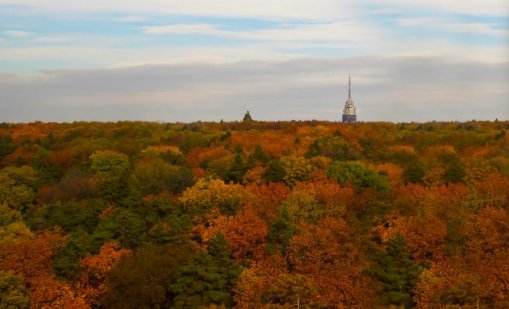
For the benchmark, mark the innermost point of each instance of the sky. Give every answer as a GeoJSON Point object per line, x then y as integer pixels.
{"type": "Point", "coordinates": [189, 60]}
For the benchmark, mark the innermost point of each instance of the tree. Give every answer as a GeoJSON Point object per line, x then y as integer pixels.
{"type": "Point", "coordinates": [14, 188]}
{"type": "Point", "coordinates": [291, 290]}
{"type": "Point", "coordinates": [143, 279]}
{"type": "Point", "coordinates": [8, 215]}
{"type": "Point", "coordinates": [123, 225]}
{"type": "Point", "coordinates": [208, 279]}
{"type": "Point", "coordinates": [247, 117]}
{"type": "Point", "coordinates": [32, 258]}
{"type": "Point", "coordinates": [454, 172]}
{"type": "Point", "coordinates": [425, 234]}
{"type": "Point", "coordinates": [275, 172]}
{"type": "Point", "coordinates": [109, 163]}
{"type": "Point", "coordinates": [13, 293]}
{"type": "Point", "coordinates": [397, 271]}
{"type": "Point", "coordinates": [213, 193]}
{"type": "Point", "coordinates": [357, 174]}
{"type": "Point", "coordinates": [16, 230]}
{"type": "Point", "coordinates": [246, 234]}
{"type": "Point", "coordinates": [111, 169]}
{"type": "Point", "coordinates": [326, 253]}
{"type": "Point", "coordinates": [66, 262]}
{"type": "Point", "coordinates": [238, 168]}
{"type": "Point", "coordinates": [92, 283]}
{"type": "Point", "coordinates": [73, 215]}
{"type": "Point", "coordinates": [6, 146]}
{"type": "Point", "coordinates": [258, 156]}
{"type": "Point", "coordinates": [414, 172]}
{"type": "Point", "coordinates": [302, 206]}
{"type": "Point", "coordinates": [154, 176]}
{"type": "Point", "coordinates": [295, 169]}
{"type": "Point", "coordinates": [265, 199]}
{"type": "Point", "coordinates": [280, 233]}
{"type": "Point", "coordinates": [334, 147]}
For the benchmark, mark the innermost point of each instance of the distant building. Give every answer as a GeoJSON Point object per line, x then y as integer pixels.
{"type": "Point", "coordinates": [349, 115]}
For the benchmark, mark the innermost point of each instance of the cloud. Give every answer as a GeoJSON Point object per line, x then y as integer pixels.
{"type": "Point", "coordinates": [445, 25]}
{"type": "Point", "coordinates": [51, 39]}
{"type": "Point", "coordinates": [277, 9]}
{"type": "Point", "coordinates": [17, 34]}
{"type": "Point", "coordinates": [180, 31]}
{"type": "Point", "coordinates": [390, 89]}
{"type": "Point", "coordinates": [132, 18]}
{"type": "Point", "coordinates": [185, 28]}
{"type": "Point", "coordinates": [330, 31]}
{"type": "Point", "coordinates": [479, 28]}
{"type": "Point", "coordinates": [474, 8]}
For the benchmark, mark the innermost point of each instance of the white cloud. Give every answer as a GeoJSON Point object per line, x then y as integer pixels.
{"type": "Point", "coordinates": [479, 28]}
{"type": "Point", "coordinates": [186, 28]}
{"type": "Point", "coordinates": [132, 18]}
{"type": "Point", "coordinates": [468, 7]}
{"type": "Point", "coordinates": [17, 33]}
{"type": "Point", "coordinates": [275, 9]}
{"type": "Point", "coordinates": [302, 9]}
{"type": "Point", "coordinates": [333, 31]}
{"type": "Point", "coordinates": [419, 21]}
{"type": "Point", "coordinates": [51, 39]}
{"type": "Point", "coordinates": [445, 25]}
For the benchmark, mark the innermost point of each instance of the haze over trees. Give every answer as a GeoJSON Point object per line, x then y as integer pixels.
{"type": "Point", "coordinates": [252, 214]}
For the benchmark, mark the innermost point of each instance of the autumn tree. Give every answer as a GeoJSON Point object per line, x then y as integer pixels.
{"type": "Point", "coordinates": [334, 147]}
{"type": "Point", "coordinates": [302, 206]}
{"type": "Point", "coordinates": [15, 189]}
{"type": "Point", "coordinates": [210, 193]}
{"type": "Point", "coordinates": [414, 172]}
{"type": "Point", "coordinates": [92, 283]}
{"type": "Point", "coordinates": [13, 293]}
{"type": "Point", "coordinates": [32, 258]}
{"type": "Point", "coordinates": [111, 168]}
{"type": "Point", "coordinates": [154, 176]}
{"type": "Point", "coordinates": [357, 174]}
{"type": "Point", "coordinates": [143, 279]}
{"type": "Point", "coordinates": [291, 290]}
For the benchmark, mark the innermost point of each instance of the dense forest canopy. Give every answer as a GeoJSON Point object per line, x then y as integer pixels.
{"type": "Point", "coordinates": [254, 214]}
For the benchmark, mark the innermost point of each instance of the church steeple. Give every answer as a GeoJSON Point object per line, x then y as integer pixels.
{"type": "Point", "coordinates": [349, 115]}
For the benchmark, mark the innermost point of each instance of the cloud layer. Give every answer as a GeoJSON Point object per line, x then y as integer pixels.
{"type": "Point", "coordinates": [387, 89]}
{"type": "Point", "coordinates": [185, 60]}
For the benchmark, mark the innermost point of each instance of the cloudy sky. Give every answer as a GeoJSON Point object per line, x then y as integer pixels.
{"type": "Point", "coordinates": [187, 60]}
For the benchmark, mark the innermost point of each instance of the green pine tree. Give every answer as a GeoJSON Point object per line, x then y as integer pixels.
{"type": "Point", "coordinates": [397, 271]}
{"type": "Point", "coordinates": [280, 233]}
{"type": "Point", "coordinates": [238, 167]}
{"type": "Point", "coordinates": [208, 279]}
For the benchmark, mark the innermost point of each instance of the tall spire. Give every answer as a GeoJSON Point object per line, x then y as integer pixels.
{"type": "Point", "coordinates": [349, 87]}
{"type": "Point", "coordinates": [349, 115]}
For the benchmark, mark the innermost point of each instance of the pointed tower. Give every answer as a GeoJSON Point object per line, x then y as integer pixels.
{"type": "Point", "coordinates": [349, 115]}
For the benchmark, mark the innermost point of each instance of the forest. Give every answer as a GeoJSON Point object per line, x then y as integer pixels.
{"type": "Point", "coordinates": [299, 214]}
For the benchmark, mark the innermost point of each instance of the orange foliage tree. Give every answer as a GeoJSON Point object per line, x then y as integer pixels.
{"type": "Point", "coordinates": [32, 258]}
